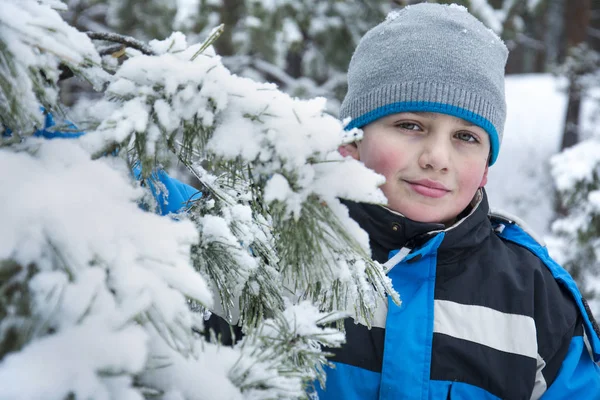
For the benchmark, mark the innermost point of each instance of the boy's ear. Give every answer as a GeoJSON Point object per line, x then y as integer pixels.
{"type": "Point", "coordinates": [484, 178]}
{"type": "Point", "coordinates": [350, 149]}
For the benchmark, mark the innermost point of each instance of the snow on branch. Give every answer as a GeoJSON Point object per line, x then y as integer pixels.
{"type": "Point", "coordinates": [284, 148]}
{"type": "Point", "coordinates": [92, 273]}
{"type": "Point", "coordinates": [125, 40]}
{"type": "Point", "coordinates": [86, 273]}
{"type": "Point", "coordinates": [34, 41]}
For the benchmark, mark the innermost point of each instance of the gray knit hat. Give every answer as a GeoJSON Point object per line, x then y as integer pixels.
{"type": "Point", "coordinates": [429, 57]}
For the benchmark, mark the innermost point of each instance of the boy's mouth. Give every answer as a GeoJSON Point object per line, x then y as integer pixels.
{"type": "Point", "coordinates": [428, 188]}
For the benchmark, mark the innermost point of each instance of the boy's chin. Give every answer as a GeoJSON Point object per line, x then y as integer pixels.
{"type": "Point", "coordinates": [426, 214]}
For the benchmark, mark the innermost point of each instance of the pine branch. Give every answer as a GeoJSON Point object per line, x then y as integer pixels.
{"type": "Point", "coordinates": [126, 40]}
{"type": "Point", "coordinates": [115, 48]}
{"type": "Point", "coordinates": [209, 41]}
{"type": "Point", "coordinates": [17, 324]}
{"type": "Point", "coordinates": [287, 348]}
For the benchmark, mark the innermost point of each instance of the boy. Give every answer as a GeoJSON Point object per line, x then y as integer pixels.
{"type": "Point", "coordinates": [485, 312]}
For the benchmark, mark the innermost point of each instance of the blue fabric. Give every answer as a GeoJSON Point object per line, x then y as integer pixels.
{"type": "Point", "coordinates": [48, 133]}
{"type": "Point", "coordinates": [464, 391]}
{"type": "Point", "coordinates": [439, 389]}
{"type": "Point", "coordinates": [409, 334]}
{"type": "Point", "coordinates": [178, 195]}
{"type": "Point", "coordinates": [458, 391]}
{"type": "Point", "coordinates": [409, 331]}
{"type": "Point", "coordinates": [515, 234]}
{"type": "Point", "coordinates": [409, 327]}
{"type": "Point", "coordinates": [578, 377]}
{"type": "Point", "coordinates": [427, 106]}
{"type": "Point", "coordinates": [349, 383]}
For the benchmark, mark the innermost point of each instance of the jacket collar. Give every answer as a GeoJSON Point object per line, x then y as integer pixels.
{"type": "Point", "coordinates": [389, 230]}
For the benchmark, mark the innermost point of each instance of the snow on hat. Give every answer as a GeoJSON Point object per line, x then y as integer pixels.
{"type": "Point", "coordinates": [429, 57]}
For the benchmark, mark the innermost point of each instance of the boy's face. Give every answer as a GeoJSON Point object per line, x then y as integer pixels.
{"type": "Point", "coordinates": [433, 163]}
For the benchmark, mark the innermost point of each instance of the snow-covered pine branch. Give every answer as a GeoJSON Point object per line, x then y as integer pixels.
{"type": "Point", "coordinates": [99, 289]}
{"type": "Point", "coordinates": [275, 154]}
{"type": "Point", "coordinates": [84, 272]}
{"type": "Point", "coordinates": [576, 241]}
{"type": "Point", "coordinates": [34, 41]}
{"type": "Point", "coordinates": [576, 172]}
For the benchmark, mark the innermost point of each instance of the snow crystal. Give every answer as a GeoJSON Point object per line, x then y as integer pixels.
{"type": "Point", "coordinates": [236, 137]}
{"type": "Point", "coordinates": [37, 37]}
{"type": "Point", "coordinates": [89, 348]}
{"type": "Point", "coordinates": [252, 22]}
{"type": "Point", "coordinates": [458, 7]}
{"type": "Point", "coordinates": [133, 240]}
{"type": "Point", "coordinates": [594, 200]}
{"type": "Point", "coordinates": [165, 117]}
{"type": "Point", "coordinates": [269, 5]}
{"type": "Point", "coordinates": [174, 43]}
{"type": "Point", "coordinates": [27, 21]}
{"type": "Point", "coordinates": [278, 189]}
{"type": "Point", "coordinates": [305, 318]}
{"type": "Point", "coordinates": [532, 4]}
{"type": "Point", "coordinates": [201, 375]}
{"type": "Point", "coordinates": [291, 31]}
{"type": "Point", "coordinates": [216, 228]}
{"type": "Point", "coordinates": [575, 164]}
{"type": "Point", "coordinates": [488, 15]}
{"type": "Point", "coordinates": [240, 212]}
{"type": "Point", "coordinates": [187, 11]}
{"type": "Point", "coordinates": [392, 15]}
{"type": "Point", "coordinates": [55, 4]}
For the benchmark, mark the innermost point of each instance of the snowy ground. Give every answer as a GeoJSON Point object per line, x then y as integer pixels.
{"type": "Point", "coordinates": [520, 181]}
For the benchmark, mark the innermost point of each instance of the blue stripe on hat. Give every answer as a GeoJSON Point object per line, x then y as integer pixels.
{"type": "Point", "coordinates": [429, 106]}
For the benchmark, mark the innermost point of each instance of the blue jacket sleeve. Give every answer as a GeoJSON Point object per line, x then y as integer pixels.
{"type": "Point", "coordinates": [578, 376]}
{"type": "Point", "coordinates": [172, 196]}
{"type": "Point", "coordinates": [566, 365]}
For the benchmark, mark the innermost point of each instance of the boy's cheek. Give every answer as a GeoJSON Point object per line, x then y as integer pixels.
{"type": "Point", "coordinates": [384, 164]}
{"type": "Point", "coordinates": [484, 179]}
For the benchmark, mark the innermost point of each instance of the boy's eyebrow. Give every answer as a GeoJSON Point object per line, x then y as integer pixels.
{"type": "Point", "coordinates": [465, 122]}
{"type": "Point", "coordinates": [434, 115]}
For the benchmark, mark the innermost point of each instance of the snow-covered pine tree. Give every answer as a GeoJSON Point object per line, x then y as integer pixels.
{"type": "Point", "coordinates": [149, 19]}
{"type": "Point", "coordinates": [504, 17]}
{"type": "Point", "coordinates": [98, 297]}
{"type": "Point", "coordinates": [309, 42]}
{"type": "Point", "coordinates": [576, 172]}
{"type": "Point", "coordinates": [576, 240]}
{"type": "Point", "coordinates": [302, 45]}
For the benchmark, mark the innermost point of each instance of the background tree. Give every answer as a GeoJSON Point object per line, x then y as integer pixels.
{"type": "Point", "coordinates": [576, 169]}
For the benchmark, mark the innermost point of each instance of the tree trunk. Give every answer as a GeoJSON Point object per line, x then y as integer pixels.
{"type": "Point", "coordinates": [231, 13]}
{"type": "Point", "coordinates": [554, 38]}
{"type": "Point", "coordinates": [577, 21]}
{"type": "Point", "coordinates": [571, 128]}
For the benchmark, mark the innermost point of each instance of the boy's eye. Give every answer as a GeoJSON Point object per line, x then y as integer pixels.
{"type": "Point", "coordinates": [410, 126]}
{"type": "Point", "coordinates": [466, 137]}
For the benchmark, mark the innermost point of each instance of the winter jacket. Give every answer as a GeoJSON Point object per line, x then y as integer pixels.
{"type": "Point", "coordinates": [485, 314]}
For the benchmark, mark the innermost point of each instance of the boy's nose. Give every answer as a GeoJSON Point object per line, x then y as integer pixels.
{"type": "Point", "coordinates": [435, 153]}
